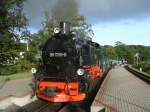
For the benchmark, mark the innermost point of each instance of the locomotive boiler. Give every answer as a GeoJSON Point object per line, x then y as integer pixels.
{"type": "Point", "coordinates": [68, 67]}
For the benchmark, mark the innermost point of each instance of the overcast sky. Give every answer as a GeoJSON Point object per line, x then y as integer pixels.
{"type": "Point", "coordinates": [112, 20]}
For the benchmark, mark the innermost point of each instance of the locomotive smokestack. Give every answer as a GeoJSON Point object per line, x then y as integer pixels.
{"type": "Point", "coordinates": [65, 28]}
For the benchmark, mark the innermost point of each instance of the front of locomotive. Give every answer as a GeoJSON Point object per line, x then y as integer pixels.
{"type": "Point", "coordinates": [58, 79]}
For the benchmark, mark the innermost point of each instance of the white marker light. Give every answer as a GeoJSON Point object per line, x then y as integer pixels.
{"type": "Point", "coordinates": [33, 70]}
{"type": "Point", "coordinates": [56, 30]}
{"type": "Point", "coordinates": [80, 72]}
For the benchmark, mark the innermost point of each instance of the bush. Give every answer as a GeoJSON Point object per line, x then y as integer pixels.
{"type": "Point", "coordinates": [145, 65]}
{"type": "Point", "coordinates": [8, 69]}
{"type": "Point", "coordinates": [24, 65]}
{"type": "Point", "coordinates": [30, 57]}
{"type": "Point", "coordinates": [21, 65]}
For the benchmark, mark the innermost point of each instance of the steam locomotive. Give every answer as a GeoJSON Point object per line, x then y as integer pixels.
{"type": "Point", "coordinates": [68, 67]}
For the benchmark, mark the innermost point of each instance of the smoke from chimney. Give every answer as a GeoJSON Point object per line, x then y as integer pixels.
{"type": "Point", "coordinates": [64, 10]}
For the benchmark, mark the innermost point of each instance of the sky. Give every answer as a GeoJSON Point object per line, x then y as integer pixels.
{"type": "Point", "coordinates": [133, 32]}
{"type": "Point", "coordinates": [127, 21]}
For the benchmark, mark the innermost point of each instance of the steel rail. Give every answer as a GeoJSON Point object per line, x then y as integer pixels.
{"type": "Point", "coordinates": [139, 74]}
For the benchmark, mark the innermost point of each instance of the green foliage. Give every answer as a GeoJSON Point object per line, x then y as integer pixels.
{"type": "Point", "coordinates": [145, 65]}
{"type": "Point", "coordinates": [30, 57]}
{"type": "Point", "coordinates": [13, 29]}
{"type": "Point", "coordinates": [12, 20]}
{"type": "Point", "coordinates": [144, 51]}
{"type": "Point", "coordinates": [127, 52]}
{"type": "Point", "coordinates": [19, 66]}
{"type": "Point", "coordinates": [144, 57]}
{"type": "Point", "coordinates": [124, 52]}
{"type": "Point", "coordinates": [80, 25]}
{"type": "Point", "coordinates": [7, 70]}
{"type": "Point", "coordinates": [24, 64]}
{"type": "Point", "coordinates": [110, 52]}
{"type": "Point", "coordinates": [38, 41]}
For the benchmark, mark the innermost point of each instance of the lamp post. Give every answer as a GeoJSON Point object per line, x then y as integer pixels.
{"type": "Point", "coordinates": [136, 58]}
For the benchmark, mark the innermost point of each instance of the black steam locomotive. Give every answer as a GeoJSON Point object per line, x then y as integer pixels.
{"type": "Point", "coordinates": [69, 66]}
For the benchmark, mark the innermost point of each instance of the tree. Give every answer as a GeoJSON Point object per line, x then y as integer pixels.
{"type": "Point", "coordinates": [118, 43]}
{"type": "Point", "coordinates": [38, 40]}
{"type": "Point", "coordinates": [144, 51]}
{"type": "Point", "coordinates": [80, 25]}
{"type": "Point", "coordinates": [12, 24]}
{"type": "Point", "coordinates": [110, 52]}
{"type": "Point", "coordinates": [124, 52]}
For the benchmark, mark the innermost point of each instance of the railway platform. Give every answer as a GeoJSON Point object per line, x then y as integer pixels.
{"type": "Point", "coordinates": [121, 91]}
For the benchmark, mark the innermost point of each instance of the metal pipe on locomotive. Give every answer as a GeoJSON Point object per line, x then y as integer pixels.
{"type": "Point", "coordinates": [69, 67]}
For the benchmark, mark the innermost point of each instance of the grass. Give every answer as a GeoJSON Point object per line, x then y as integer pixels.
{"type": "Point", "coordinates": [19, 75]}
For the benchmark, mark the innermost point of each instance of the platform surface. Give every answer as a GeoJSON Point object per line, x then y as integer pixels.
{"type": "Point", "coordinates": [18, 88]}
{"type": "Point", "coordinates": [121, 91]}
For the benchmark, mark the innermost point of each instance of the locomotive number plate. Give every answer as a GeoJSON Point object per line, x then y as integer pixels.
{"type": "Point", "coordinates": [58, 54]}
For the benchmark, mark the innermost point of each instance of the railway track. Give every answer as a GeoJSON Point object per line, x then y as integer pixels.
{"type": "Point", "coordinates": [55, 107]}
{"type": "Point", "coordinates": [139, 74]}
{"type": "Point", "coordinates": [42, 106]}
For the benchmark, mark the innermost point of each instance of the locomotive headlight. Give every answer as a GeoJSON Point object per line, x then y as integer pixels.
{"type": "Point", "coordinates": [56, 30]}
{"type": "Point", "coordinates": [80, 72]}
{"type": "Point", "coordinates": [33, 70]}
